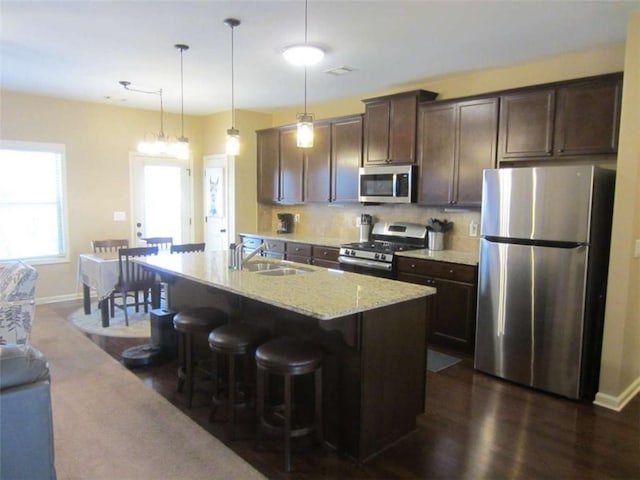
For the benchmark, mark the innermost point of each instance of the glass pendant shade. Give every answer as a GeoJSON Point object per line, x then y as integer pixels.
{"type": "Point", "coordinates": [180, 149]}
{"type": "Point", "coordinates": [232, 146]}
{"type": "Point", "coordinates": [304, 134]}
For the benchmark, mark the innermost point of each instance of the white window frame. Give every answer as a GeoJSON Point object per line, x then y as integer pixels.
{"type": "Point", "coordinates": [60, 149]}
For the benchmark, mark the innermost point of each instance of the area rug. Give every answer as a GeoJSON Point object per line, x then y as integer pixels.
{"type": "Point", "coordinates": [437, 361]}
{"type": "Point", "coordinates": [108, 425]}
{"type": "Point", "coordinates": [139, 325]}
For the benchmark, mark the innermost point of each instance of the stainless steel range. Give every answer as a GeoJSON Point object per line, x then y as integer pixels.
{"type": "Point", "coordinates": [377, 256]}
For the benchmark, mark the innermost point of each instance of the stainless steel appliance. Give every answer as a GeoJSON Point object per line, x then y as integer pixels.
{"type": "Point", "coordinates": [387, 184]}
{"type": "Point", "coordinates": [285, 222]}
{"type": "Point", "coordinates": [542, 276]}
{"type": "Point", "coordinates": [366, 223]}
{"type": "Point", "coordinates": [376, 256]}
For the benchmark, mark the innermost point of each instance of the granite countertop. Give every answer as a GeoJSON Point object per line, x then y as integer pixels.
{"type": "Point", "coordinates": [319, 293]}
{"type": "Point", "coordinates": [451, 256]}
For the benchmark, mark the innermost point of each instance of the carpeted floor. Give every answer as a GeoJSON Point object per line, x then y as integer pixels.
{"type": "Point", "coordinates": [437, 361]}
{"type": "Point", "coordinates": [108, 425]}
{"type": "Point", "coordinates": [139, 325]}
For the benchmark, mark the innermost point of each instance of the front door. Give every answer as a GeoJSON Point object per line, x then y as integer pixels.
{"type": "Point", "coordinates": [161, 198]}
{"type": "Point", "coordinates": [219, 204]}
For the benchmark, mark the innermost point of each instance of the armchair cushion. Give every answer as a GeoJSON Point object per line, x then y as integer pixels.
{"type": "Point", "coordinates": [17, 300]}
{"type": "Point", "coordinates": [26, 422]}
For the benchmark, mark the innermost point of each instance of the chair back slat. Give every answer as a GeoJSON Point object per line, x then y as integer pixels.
{"type": "Point", "coordinates": [133, 273]}
{"type": "Point", "coordinates": [163, 243]}
{"type": "Point", "coordinates": [112, 245]}
{"type": "Point", "coordinates": [187, 247]}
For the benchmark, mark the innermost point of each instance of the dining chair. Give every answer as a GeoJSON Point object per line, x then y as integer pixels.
{"type": "Point", "coordinates": [187, 247]}
{"type": "Point", "coordinates": [133, 280]}
{"type": "Point", "coordinates": [101, 246]}
{"type": "Point", "coordinates": [163, 243]}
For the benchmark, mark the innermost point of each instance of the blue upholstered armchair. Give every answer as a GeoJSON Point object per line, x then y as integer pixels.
{"type": "Point", "coordinates": [17, 300]}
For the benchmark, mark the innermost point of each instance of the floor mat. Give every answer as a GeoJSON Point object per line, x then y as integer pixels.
{"type": "Point", "coordinates": [437, 361]}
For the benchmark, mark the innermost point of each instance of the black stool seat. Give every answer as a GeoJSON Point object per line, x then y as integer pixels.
{"type": "Point", "coordinates": [199, 319]}
{"type": "Point", "coordinates": [288, 357]}
{"type": "Point", "coordinates": [189, 323]}
{"type": "Point", "coordinates": [235, 338]}
{"type": "Point", "coordinates": [230, 340]}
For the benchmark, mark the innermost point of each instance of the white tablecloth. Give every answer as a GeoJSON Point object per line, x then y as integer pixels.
{"type": "Point", "coordinates": [99, 271]}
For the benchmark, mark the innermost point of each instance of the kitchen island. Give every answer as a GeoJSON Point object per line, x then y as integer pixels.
{"type": "Point", "coordinates": [372, 330]}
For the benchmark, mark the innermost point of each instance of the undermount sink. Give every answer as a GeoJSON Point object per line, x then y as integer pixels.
{"type": "Point", "coordinates": [282, 271]}
{"type": "Point", "coordinates": [261, 266]}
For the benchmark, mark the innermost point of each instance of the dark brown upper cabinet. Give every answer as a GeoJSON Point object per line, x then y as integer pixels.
{"type": "Point", "coordinates": [575, 118]}
{"type": "Point", "coordinates": [346, 158]}
{"type": "Point", "coordinates": [291, 167]}
{"type": "Point", "coordinates": [318, 164]}
{"type": "Point", "coordinates": [268, 165]}
{"type": "Point", "coordinates": [456, 142]}
{"type": "Point", "coordinates": [390, 127]}
{"type": "Point", "coordinates": [334, 160]}
{"type": "Point", "coordinates": [326, 172]}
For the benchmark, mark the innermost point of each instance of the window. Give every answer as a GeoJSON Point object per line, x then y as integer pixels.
{"type": "Point", "coordinates": [32, 201]}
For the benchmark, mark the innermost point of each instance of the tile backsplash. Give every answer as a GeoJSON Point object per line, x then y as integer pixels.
{"type": "Point", "coordinates": [341, 221]}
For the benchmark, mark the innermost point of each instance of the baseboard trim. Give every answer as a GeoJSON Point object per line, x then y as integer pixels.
{"type": "Point", "coordinates": [619, 402]}
{"type": "Point", "coordinates": [59, 298]}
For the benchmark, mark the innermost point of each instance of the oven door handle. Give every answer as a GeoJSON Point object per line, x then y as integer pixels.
{"type": "Point", "coordinates": [366, 263]}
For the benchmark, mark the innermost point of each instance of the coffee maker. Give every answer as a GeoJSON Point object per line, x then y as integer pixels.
{"type": "Point", "coordinates": [285, 222]}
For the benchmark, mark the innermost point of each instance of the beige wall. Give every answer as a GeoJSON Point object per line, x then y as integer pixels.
{"type": "Point", "coordinates": [620, 370]}
{"type": "Point", "coordinates": [98, 140]}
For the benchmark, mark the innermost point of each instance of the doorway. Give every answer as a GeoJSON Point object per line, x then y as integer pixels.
{"type": "Point", "coordinates": [161, 198]}
{"type": "Point", "coordinates": [219, 201]}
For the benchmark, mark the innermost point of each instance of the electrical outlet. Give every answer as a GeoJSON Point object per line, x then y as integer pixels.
{"type": "Point", "coordinates": [473, 229]}
{"type": "Point", "coordinates": [119, 216]}
{"type": "Point", "coordinates": [296, 218]}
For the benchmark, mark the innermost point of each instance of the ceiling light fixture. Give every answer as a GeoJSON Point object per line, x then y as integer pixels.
{"type": "Point", "coordinates": [159, 144]}
{"type": "Point", "coordinates": [181, 147]}
{"type": "Point", "coordinates": [304, 133]}
{"type": "Point", "coordinates": [232, 146]}
{"type": "Point", "coordinates": [303, 54]}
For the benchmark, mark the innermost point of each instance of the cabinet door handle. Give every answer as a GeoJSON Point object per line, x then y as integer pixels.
{"type": "Point", "coordinates": [451, 271]}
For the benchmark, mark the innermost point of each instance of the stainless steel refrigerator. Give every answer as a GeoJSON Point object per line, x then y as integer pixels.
{"type": "Point", "coordinates": [544, 251]}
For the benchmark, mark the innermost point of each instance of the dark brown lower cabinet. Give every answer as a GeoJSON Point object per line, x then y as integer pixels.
{"type": "Point", "coordinates": [298, 252]}
{"type": "Point", "coordinates": [454, 306]}
{"type": "Point", "coordinates": [326, 257]}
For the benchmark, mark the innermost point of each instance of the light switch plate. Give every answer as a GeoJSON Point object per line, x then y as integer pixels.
{"type": "Point", "coordinates": [119, 216]}
{"type": "Point", "coordinates": [637, 252]}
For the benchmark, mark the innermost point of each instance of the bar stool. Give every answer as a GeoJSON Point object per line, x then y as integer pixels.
{"type": "Point", "coordinates": [230, 341]}
{"type": "Point", "coordinates": [189, 323]}
{"type": "Point", "coordinates": [288, 357]}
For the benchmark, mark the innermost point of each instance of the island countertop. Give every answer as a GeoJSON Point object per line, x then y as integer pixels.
{"type": "Point", "coordinates": [320, 293]}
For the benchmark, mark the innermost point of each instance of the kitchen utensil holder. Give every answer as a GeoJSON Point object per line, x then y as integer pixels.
{"type": "Point", "coordinates": [436, 240]}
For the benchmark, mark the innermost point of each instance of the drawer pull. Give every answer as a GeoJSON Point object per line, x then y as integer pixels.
{"type": "Point", "coordinates": [450, 271]}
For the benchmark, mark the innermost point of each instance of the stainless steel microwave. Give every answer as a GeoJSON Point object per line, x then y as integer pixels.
{"type": "Point", "coordinates": [387, 184]}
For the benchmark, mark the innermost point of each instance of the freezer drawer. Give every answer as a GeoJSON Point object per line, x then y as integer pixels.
{"type": "Point", "coordinates": [530, 314]}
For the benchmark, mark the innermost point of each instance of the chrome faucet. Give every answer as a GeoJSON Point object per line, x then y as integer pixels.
{"type": "Point", "coordinates": [237, 260]}
{"type": "Point", "coordinates": [253, 253]}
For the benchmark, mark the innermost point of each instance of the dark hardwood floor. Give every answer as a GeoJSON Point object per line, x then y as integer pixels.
{"type": "Point", "coordinates": [474, 427]}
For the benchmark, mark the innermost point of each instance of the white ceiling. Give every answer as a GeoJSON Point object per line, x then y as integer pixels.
{"type": "Point", "coordinates": [80, 49]}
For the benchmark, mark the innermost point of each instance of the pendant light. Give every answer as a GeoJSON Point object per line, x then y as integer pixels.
{"type": "Point", "coordinates": [159, 143]}
{"type": "Point", "coordinates": [232, 146]}
{"type": "Point", "coordinates": [304, 133]}
{"type": "Point", "coordinates": [181, 147]}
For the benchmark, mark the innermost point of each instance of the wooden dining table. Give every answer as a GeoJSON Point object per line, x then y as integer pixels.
{"type": "Point", "coordinates": [98, 271]}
